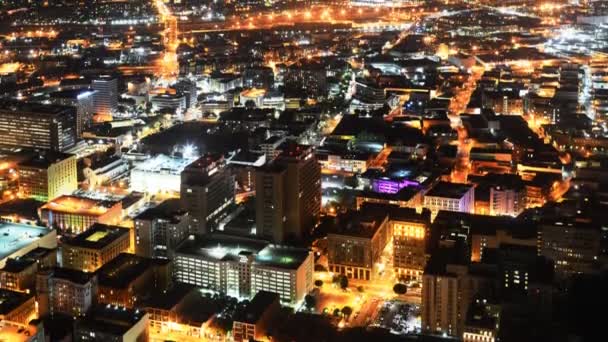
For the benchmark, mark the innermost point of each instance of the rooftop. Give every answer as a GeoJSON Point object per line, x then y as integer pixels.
{"type": "Point", "coordinates": [10, 300]}
{"type": "Point", "coordinates": [122, 270]}
{"type": "Point", "coordinates": [449, 190]}
{"type": "Point", "coordinates": [45, 159]}
{"type": "Point", "coordinates": [79, 205]}
{"type": "Point", "coordinates": [71, 275]}
{"type": "Point", "coordinates": [98, 236]}
{"type": "Point", "coordinates": [256, 308]}
{"type": "Point", "coordinates": [163, 164]}
{"type": "Point", "coordinates": [220, 247]}
{"type": "Point", "coordinates": [110, 319]}
{"type": "Point", "coordinates": [14, 236]}
{"type": "Point", "coordinates": [21, 107]}
{"type": "Point", "coordinates": [281, 257]}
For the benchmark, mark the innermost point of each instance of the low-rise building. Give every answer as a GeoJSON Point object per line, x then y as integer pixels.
{"type": "Point", "coordinates": [113, 324]}
{"type": "Point", "coordinates": [17, 307]}
{"type": "Point", "coordinates": [93, 248]}
{"type": "Point", "coordinates": [66, 291]}
{"type": "Point", "coordinates": [451, 197]}
{"type": "Point", "coordinates": [128, 278]}
{"type": "Point", "coordinates": [258, 316]}
{"type": "Point", "coordinates": [74, 214]}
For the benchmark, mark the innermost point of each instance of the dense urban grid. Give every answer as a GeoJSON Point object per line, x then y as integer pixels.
{"type": "Point", "coordinates": [303, 170]}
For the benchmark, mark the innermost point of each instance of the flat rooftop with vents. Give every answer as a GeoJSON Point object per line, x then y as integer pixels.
{"type": "Point", "coordinates": [18, 239]}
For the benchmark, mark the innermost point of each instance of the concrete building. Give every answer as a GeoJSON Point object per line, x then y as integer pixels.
{"type": "Point", "coordinates": [19, 274]}
{"type": "Point", "coordinates": [508, 198]}
{"type": "Point", "coordinates": [106, 94]}
{"type": "Point", "coordinates": [32, 125]}
{"type": "Point", "coordinates": [451, 197]}
{"type": "Point", "coordinates": [16, 307]}
{"type": "Point", "coordinates": [96, 246]}
{"type": "Point", "coordinates": [356, 241]}
{"type": "Point", "coordinates": [159, 174]}
{"type": "Point", "coordinates": [241, 267]}
{"type": "Point", "coordinates": [75, 214]}
{"type": "Point", "coordinates": [287, 271]}
{"type": "Point", "coordinates": [17, 240]}
{"type": "Point", "coordinates": [410, 238]}
{"type": "Point", "coordinates": [217, 262]}
{"type": "Point", "coordinates": [66, 291]}
{"type": "Point", "coordinates": [207, 189]}
{"type": "Point", "coordinates": [257, 318]}
{"type": "Point", "coordinates": [84, 102]}
{"type": "Point", "coordinates": [160, 229]}
{"type": "Point", "coordinates": [288, 195]}
{"type": "Point", "coordinates": [127, 279]}
{"type": "Point", "coordinates": [574, 245]}
{"type": "Point", "coordinates": [112, 324]}
{"type": "Point", "coordinates": [48, 175]}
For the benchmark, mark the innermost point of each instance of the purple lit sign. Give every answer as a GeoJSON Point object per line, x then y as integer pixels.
{"type": "Point", "coordinates": [389, 186]}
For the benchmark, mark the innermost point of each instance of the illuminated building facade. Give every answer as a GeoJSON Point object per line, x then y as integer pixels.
{"type": "Point", "coordinates": [48, 175]}
{"type": "Point", "coordinates": [106, 95]}
{"type": "Point", "coordinates": [160, 229]}
{"type": "Point", "coordinates": [241, 267]}
{"type": "Point", "coordinates": [159, 174]}
{"type": "Point", "coordinates": [93, 248]}
{"type": "Point", "coordinates": [16, 307]}
{"type": "Point", "coordinates": [356, 241]}
{"type": "Point", "coordinates": [32, 125]}
{"type": "Point", "coordinates": [82, 100]}
{"type": "Point", "coordinates": [207, 189]}
{"type": "Point", "coordinates": [410, 231]}
{"type": "Point", "coordinates": [450, 197]}
{"type": "Point", "coordinates": [62, 290]}
{"type": "Point", "coordinates": [74, 215]}
{"type": "Point", "coordinates": [18, 275]}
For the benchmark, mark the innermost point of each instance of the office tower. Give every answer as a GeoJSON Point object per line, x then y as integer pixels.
{"type": "Point", "coordinates": [207, 189]}
{"type": "Point", "coordinates": [160, 229]}
{"type": "Point", "coordinates": [410, 238]}
{"type": "Point", "coordinates": [48, 175]}
{"type": "Point", "coordinates": [288, 194]}
{"type": "Point", "coordinates": [90, 250]}
{"type": "Point", "coordinates": [81, 99]}
{"type": "Point", "coordinates": [32, 125]}
{"type": "Point", "coordinates": [106, 94]}
{"type": "Point", "coordinates": [75, 214]}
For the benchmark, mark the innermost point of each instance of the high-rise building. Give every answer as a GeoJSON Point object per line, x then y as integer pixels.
{"type": "Point", "coordinates": [288, 194]}
{"type": "Point", "coordinates": [574, 245]}
{"type": "Point", "coordinates": [508, 197]}
{"type": "Point", "coordinates": [33, 125]}
{"type": "Point", "coordinates": [48, 175]}
{"type": "Point", "coordinates": [91, 249]}
{"type": "Point", "coordinates": [106, 94]}
{"type": "Point", "coordinates": [410, 237]}
{"type": "Point", "coordinates": [160, 229]}
{"type": "Point", "coordinates": [82, 100]}
{"type": "Point", "coordinates": [207, 189]}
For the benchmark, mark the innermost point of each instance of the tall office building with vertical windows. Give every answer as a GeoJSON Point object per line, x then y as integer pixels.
{"type": "Point", "coordinates": [106, 94]}
{"type": "Point", "coordinates": [288, 194]}
{"type": "Point", "coordinates": [207, 190]}
{"type": "Point", "coordinates": [33, 125]}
